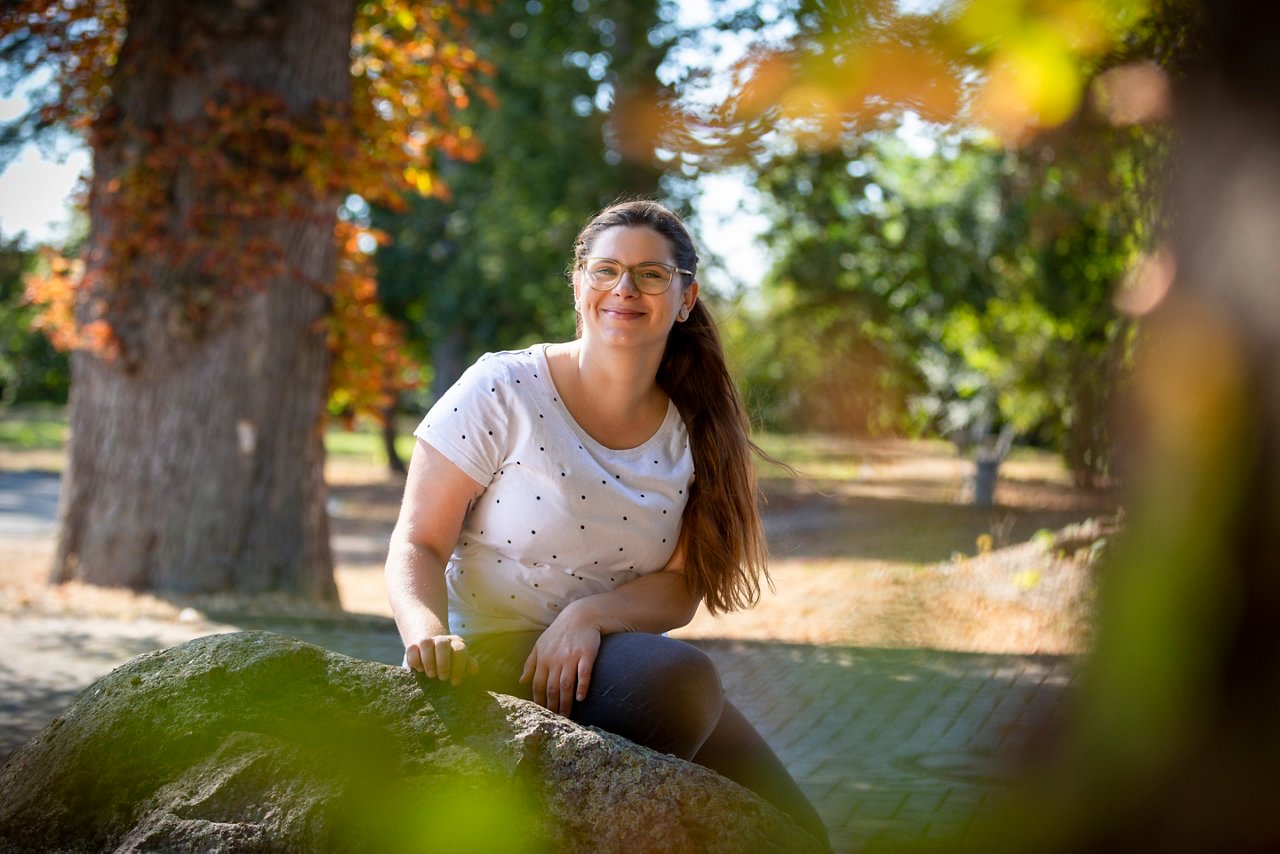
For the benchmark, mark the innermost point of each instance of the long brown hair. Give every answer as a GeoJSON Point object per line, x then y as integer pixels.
{"type": "Point", "coordinates": [725, 550]}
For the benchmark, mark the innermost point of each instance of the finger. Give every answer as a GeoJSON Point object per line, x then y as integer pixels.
{"type": "Point", "coordinates": [553, 692]}
{"type": "Point", "coordinates": [530, 667]}
{"type": "Point", "coordinates": [444, 652]}
{"type": "Point", "coordinates": [428, 658]}
{"type": "Point", "coordinates": [413, 657]}
{"type": "Point", "coordinates": [458, 666]}
{"type": "Point", "coordinates": [568, 680]}
{"type": "Point", "coordinates": [540, 687]}
{"type": "Point", "coordinates": [585, 665]}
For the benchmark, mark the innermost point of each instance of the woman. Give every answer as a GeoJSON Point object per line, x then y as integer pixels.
{"type": "Point", "coordinates": [553, 527]}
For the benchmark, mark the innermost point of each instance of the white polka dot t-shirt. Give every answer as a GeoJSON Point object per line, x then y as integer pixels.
{"type": "Point", "coordinates": [562, 516]}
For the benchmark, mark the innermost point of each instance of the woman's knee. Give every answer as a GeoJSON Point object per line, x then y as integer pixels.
{"type": "Point", "coordinates": [662, 664]}
{"type": "Point", "coordinates": [655, 690]}
{"type": "Point", "coordinates": [694, 675]}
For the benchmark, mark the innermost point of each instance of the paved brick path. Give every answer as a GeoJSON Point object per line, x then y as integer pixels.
{"type": "Point", "coordinates": [893, 745]}
{"type": "Point", "coordinates": [890, 745]}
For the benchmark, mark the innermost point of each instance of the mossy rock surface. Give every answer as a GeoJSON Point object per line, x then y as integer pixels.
{"type": "Point", "coordinates": [258, 742]}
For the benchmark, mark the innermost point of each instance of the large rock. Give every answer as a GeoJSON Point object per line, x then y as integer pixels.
{"type": "Point", "coordinates": [254, 741]}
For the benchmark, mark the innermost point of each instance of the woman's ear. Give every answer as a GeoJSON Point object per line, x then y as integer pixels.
{"type": "Point", "coordinates": [689, 297]}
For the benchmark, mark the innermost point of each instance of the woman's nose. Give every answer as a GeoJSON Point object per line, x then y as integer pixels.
{"type": "Point", "coordinates": [626, 284]}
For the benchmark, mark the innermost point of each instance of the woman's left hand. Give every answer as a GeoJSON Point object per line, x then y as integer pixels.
{"type": "Point", "coordinates": [559, 667]}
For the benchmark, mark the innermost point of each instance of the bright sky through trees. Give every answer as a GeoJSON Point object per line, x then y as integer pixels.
{"type": "Point", "coordinates": [36, 187]}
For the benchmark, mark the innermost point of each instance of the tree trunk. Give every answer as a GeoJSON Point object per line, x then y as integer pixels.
{"type": "Point", "coordinates": [630, 129]}
{"type": "Point", "coordinates": [448, 361]}
{"type": "Point", "coordinates": [196, 455]}
{"type": "Point", "coordinates": [394, 462]}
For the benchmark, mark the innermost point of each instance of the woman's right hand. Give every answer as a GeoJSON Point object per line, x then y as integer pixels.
{"type": "Point", "coordinates": [442, 657]}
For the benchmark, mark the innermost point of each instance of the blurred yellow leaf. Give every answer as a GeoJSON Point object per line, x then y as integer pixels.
{"type": "Point", "coordinates": [1033, 83]}
{"type": "Point", "coordinates": [1027, 579]}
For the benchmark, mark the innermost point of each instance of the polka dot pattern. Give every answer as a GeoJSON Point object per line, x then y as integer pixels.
{"type": "Point", "coordinates": [561, 516]}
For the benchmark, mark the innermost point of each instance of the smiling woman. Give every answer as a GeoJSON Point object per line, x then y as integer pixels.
{"type": "Point", "coordinates": [623, 293]}
{"type": "Point", "coordinates": [568, 504]}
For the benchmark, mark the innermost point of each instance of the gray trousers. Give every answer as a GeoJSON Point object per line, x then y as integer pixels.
{"type": "Point", "coordinates": [666, 695]}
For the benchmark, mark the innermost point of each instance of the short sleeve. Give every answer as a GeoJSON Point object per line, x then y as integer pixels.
{"type": "Point", "coordinates": [469, 423]}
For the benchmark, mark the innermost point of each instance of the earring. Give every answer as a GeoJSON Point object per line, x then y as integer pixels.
{"type": "Point", "coordinates": [683, 315]}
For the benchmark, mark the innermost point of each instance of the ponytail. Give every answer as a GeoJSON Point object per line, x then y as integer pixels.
{"type": "Point", "coordinates": [725, 550]}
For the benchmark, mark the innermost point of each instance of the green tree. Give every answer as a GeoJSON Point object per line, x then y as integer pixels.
{"type": "Point", "coordinates": [872, 246]}
{"type": "Point", "coordinates": [31, 368]}
{"type": "Point", "coordinates": [974, 285]}
{"type": "Point", "coordinates": [970, 286]}
{"type": "Point", "coordinates": [484, 267]}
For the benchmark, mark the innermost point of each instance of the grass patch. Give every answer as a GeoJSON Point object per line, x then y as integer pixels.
{"type": "Point", "coordinates": [33, 427]}
{"type": "Point", "coordinates": [826, 458]}
{"type": "Point", "coordinates": [814, 456]}
{"type": "Point", "coordinates": [43, 427]}
{"type": "Point", "coordinates": [365, 443]}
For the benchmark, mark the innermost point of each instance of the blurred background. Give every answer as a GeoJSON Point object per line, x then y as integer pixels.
{"type": "Point", "coordinates": [930, 232]}
{"type": "Point", "coordinates": [900, 240]}
{"type": "Point", "coordinates": [996, 277]}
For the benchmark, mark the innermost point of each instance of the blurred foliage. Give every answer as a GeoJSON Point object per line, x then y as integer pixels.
{"type": "Point", "coordinates": [33, 427]}
{"type": "Point", "coordinates": [948, 293]}
{"type": "Point", "coordinates": [31, 369]}
{"type": "Point", "coordinates": [371, 364]}
{"type": "Point", "coordinates": [1015, 68]}
{"type": "Point", "coordinates": [1172, 745]}
{"type": "Point", "coordinates": [483, 267]}
{"type": "Point", "coordinates": [247, 158]}
{"type": "Point", "coordinates": [934, 280]}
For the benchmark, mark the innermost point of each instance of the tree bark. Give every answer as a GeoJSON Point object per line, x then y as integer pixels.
{"type": "Point", "coordinates": [448, 361]}
{"type": "Point", "coordinates": [196, 455]}
{"type": "Point", "coordinates": [394, 462]}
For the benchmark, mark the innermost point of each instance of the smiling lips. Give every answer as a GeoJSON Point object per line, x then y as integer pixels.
{"type": "Point", "coordinates": [622, 313]}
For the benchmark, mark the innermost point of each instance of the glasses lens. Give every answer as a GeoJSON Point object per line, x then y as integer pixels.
{"type": "Point", "coordinates": [603, 275]}
{"type": "Point", "coordinates": [651, 278]}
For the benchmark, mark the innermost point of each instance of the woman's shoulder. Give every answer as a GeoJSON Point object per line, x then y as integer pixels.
{"type": "Point", "coordinates": [528, 358]}
{"type": "Point", "coordinates": [501, 365]}
{"type": "Point", "coordinates": [512, 368]}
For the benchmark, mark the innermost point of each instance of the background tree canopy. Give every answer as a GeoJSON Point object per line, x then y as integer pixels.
{"type": "Point", "coordinates": [483, 267]}
{"type": "Point", "coordinates": [954, 197]}
{"type": "Point", "coordinates": [939, 292]}
{"type": "Point", "coordinates": [960, 274]}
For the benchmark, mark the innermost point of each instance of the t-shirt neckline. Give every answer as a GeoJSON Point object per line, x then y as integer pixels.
{"type": "Point", "coordinates": [549, 385]}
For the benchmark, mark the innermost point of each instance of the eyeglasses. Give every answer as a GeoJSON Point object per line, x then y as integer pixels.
{"type": "Point", "coordinates": [603, 274]}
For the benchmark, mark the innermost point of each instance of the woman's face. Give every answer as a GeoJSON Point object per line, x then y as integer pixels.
{"type": "Point", "coordinates": [624, 316]}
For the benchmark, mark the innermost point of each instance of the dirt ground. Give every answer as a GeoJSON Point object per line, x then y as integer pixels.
{"type": "Point", "coordinates": [884, 552]}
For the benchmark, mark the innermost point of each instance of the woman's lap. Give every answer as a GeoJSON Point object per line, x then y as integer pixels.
{"type": "Point", "coordinates": [666, 695]}
{"type": "Point", "coordinates": [654, 690]}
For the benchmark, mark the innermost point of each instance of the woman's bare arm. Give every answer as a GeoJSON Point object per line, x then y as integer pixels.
{"type": "Point", "coordinates": [437, 497]}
